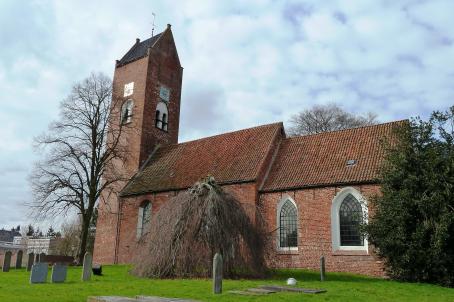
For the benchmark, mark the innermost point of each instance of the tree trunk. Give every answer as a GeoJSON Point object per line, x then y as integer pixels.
{"type": "Point", "coordinates": [83, 238]}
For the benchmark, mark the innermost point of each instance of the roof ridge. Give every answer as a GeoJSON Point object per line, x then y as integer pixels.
{"type": "Point", "coordinates": [153, 37]}
{"type": "Point", "coordinates": [134, 46]}
{"type": "Point", "coordinates": [349, 129]}
{"type": "Point", "coordinates": [230, 132]}
{"type": "Point", "coordinates": [139, 49]}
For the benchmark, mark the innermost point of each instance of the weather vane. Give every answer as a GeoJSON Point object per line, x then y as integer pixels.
{"type": "Point", "coordinates": [152, 28]}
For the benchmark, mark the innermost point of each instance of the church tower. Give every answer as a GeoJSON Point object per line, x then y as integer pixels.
{"type": "Point", "coordinates": [148, 81]}
{"type": "Point", "coordinates": [146, 94]}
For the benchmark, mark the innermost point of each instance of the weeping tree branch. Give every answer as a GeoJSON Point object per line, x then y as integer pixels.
{"type": "Point", "coordinates": [189, 229]}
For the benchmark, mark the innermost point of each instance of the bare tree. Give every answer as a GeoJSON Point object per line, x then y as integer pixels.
{"type": "Point", "coordinates": [77, 151]}
{"type": "Point", "coordinates": [69, 244]}
{"type": "Point", "coordinates": [323, 118]}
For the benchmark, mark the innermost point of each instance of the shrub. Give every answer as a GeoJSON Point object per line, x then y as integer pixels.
{"type": "Point", "coordinates": [413, 222]}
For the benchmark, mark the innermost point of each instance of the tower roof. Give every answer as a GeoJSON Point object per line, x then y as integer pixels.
{"type": "Point", "coordinates": [139, 49]}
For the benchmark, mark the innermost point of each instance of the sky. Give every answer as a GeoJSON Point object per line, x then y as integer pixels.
{"type": "Point", "coordinates": [245, 63]}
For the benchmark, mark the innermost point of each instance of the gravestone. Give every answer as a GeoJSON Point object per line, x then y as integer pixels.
{"type": "Point", "coordinates": [31, 260]}
{"type": "Point", "coordinates": [42, 257]}
{"type": "Point", "coordinates": [217, 274]}
{"type": "Point", "coordinates": [39, 272]}
{"type": "Point", "coordinates": [19, 259]}
{"type": "Point", "coordinates": [322, 268]}
{"type": "Point", "coordinates": [59, 272]}
{"type": "Point", "coordinates": [7, 262]}
{"type": "Point", "coordinates": [86, 271]}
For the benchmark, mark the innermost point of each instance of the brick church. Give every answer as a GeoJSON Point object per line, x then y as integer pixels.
{"type": "Point", "coordinates": [313, 189]}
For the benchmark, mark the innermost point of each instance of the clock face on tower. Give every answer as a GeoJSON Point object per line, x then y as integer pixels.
{"type": "Point", "coordinates": [129, 89]}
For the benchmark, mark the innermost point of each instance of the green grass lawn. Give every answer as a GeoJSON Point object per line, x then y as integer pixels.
{"type": "Point", "coordinates": [14, 286]}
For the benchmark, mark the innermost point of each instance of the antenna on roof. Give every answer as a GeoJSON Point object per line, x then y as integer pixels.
{"type": "Point", "coordinates": [152, 28]}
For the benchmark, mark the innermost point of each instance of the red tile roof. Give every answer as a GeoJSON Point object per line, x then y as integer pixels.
{"type": "Point", "coordinates": [321, 159]}
{"type": "Point", "coordinates": [230, 158]}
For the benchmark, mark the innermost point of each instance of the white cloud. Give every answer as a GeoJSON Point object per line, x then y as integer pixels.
{"type": "Point", "coordinates": [246, 63]}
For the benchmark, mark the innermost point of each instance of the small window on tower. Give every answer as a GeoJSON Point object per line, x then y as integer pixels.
{"type": "Point", "coordinates": [126, 112]}
{"type": "Point", "coordinates": [164, 93]}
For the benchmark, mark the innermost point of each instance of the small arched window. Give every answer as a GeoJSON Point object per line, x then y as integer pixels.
{"type": "Point", "coordinates": [348, 213]}
{"type": "Point", "coordinates": [144, 218]}
{"type": "Point", "coordinates": [126, 112]}
{"type": "Point", "coordinates": [288, 225]}
{"type": "Point", "coordinates": [350, 220]}
{"type": "Point", "coordinates": [161, 117]}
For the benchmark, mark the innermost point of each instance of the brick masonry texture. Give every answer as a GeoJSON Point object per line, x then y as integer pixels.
{"type": "Point", "coordinates": [314, 233]}
{"type": "Point", "coordinates": [314, 227]}
{"type": "Point", "coordinates": [161, 66]}
{"type": "Point", "coordinates": [260, 166]}
{"type": "Point", "coordinates": [246, 194]}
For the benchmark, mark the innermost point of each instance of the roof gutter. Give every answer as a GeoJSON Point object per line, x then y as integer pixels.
{"type": "Point", "coordinates": [225, 183]}
{"type": "Point", "coordinates": [323, 185]}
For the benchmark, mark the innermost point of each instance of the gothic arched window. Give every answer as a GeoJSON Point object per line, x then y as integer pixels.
{"type": "Point", "coordinates": [348, 213]}
{"type": "Point", "coordinates": [288, 225]}
{"type": "Point", "coordinates": [144, 218]}
{"type": "Point", "coordinates": [350, 220]}
{"type": "Point", "coordinates": [126, 112]}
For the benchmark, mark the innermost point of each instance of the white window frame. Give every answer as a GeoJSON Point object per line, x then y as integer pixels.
{"type": "Point", "coordinates": [335, 223]}
{"type": "Point", "coordinates": [278, 224]}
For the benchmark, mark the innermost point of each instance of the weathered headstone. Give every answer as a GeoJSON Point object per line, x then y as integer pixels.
{"type": "Point", "coordinates": [6, 262]}
{"type": "Point", "coordinates": [322, 268]}
{"type": "Point", "coordinates": [39, 272]}
{"type": "Point", "coordinates": [217, 274]}
{"type": "Point", "coordinates": [59, 272]}
{"type": "Point", "coordinates": [19, 259]}
{"type": "Point", "coordinates": [31, 260]}
{"type": "Point", "coordinates": [86, 271]}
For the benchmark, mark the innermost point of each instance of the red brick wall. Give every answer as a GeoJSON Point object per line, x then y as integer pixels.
{"type": "Point", "coordinates": [160, 67]}
{"type": "Point", "coordinates": [314, 233]}
{"type": "Point", "coordinates": [163, 69]}
{"type": "Point", "coordinates": [246, 193]}
{"type": "Point", "coordinates": [314, 228]}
